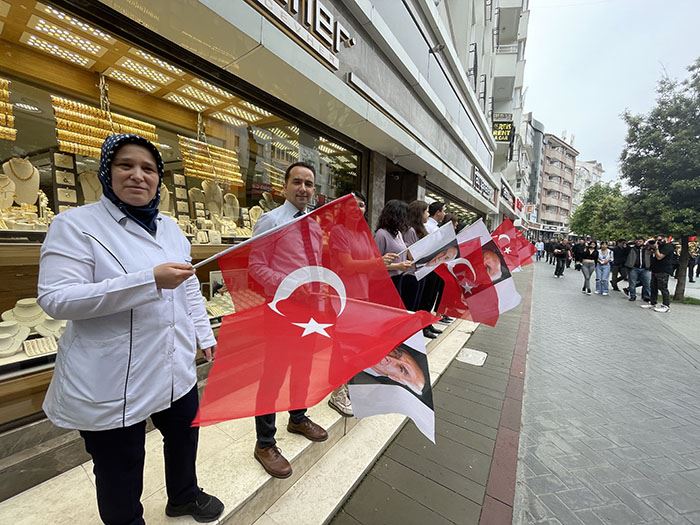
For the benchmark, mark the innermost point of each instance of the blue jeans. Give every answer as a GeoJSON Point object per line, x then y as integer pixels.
{"type": "Point", "coordinates": [639, 276]}
{"type": "Point", "coordinates": [602, 274]}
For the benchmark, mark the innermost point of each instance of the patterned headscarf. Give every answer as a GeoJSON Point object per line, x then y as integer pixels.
{"type": "Point", "coordinates": [144, 216]}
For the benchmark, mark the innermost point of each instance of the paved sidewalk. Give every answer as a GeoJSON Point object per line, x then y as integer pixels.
{"type": "Point", "coordinates": [468, 477]}
{"type": "Point", "coordinates": [611, 414]}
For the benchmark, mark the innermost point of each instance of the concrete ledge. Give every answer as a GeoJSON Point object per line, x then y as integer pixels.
{"type": "Point", "coordinates": [322, 490]}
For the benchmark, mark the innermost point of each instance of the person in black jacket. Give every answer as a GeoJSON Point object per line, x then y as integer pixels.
{"type": "Point", "coordinates": [577, 252]}
{"type": "Point", "coordinates": [618, 272]}
{"type": "Point", "coordinates": [561, 252]}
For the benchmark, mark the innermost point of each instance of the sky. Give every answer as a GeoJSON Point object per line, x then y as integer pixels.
{"type": "Point", "coordinates": [587, 61]}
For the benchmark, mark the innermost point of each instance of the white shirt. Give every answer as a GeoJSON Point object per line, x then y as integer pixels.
{"type": "Point", "coordinates": [129, 348]}
{"type": "Point", "coordinates": [432, 225]}
{"type": "Point", "coordinates": [271, 261]}
{"type": "Point", "coordinates": [539, 245]}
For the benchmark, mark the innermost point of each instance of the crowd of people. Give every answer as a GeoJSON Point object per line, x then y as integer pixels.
{"type": "Point", "coordinates": [642, 263]}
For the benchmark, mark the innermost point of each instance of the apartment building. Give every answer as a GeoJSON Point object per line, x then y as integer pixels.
{"type": "Point", "coordinates": [588, 173]}
{"type": "Point", "coordinates": [557, 182]}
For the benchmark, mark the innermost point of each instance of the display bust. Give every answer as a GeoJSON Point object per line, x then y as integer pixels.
{"type": "Point", "coordinates": [26, 179]}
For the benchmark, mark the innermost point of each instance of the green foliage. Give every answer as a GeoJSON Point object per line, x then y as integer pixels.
{"type": "Point", "coordinates": [603, 213]}
{"type": "Point", "coordinates": [661, 162]}
{"type": "Point", "coordinates": [661, 158]}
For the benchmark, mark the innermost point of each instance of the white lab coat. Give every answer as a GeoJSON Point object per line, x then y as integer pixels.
{"type": "Point", "coordinates": [129, 348]}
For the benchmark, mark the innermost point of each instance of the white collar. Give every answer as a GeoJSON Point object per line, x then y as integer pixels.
{"type": "Point", "coordinates": [290, 208]}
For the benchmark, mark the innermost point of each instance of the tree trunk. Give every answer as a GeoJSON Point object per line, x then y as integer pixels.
{"type": "Point", "coordinates": [682, 274]}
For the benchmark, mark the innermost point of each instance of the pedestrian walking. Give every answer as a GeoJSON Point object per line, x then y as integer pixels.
{"type": "Point", "coordinates": [692, 262]}
{"type": "Point", "coordinates": [638, 264]}
{"type": "Point", "coordinates": [618, 270]}
{"type": "Point", "coordinates": [560, 252]}
{"type": "Point", "coordinates": [602, 269]}
{"type": "Point", "coordinates": [549, 250]}
{"type": "Point", "coordinates": [589, 257]}
{"type": "Point", "coordinates": [539, 246]}
{"type": "Point", "coordinates": [661, 268]}
{"type": "Point", "coordinates": [121, 273]}
{"type": "Point", "coordinates": [577, 252]}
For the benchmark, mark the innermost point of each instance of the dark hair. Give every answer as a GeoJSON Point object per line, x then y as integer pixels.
{"type": "Point", "coordinates": [621, 240]}
{"type": "Point", "coordinates": [449, 217]}
{"type": "Point", "coordinates": [298, 165]}
{"type": "Point", "coordinates": [394, 217]}
{"type": "Point", "coordinates": [359, 196]}
{"type": "Point", "coordinates": [435, 207]}
{"type": "Point", "coordinates": [415, 217]}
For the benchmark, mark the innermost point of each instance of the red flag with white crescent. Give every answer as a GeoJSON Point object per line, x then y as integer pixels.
{"type": "Point", "coordinates": [314, 306]}
{"type": "Point", "coordinates": [505, 237]}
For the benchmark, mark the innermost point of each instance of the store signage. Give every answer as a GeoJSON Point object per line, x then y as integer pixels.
{"type": "Point", "coordinates": [482, 186]}
{"type": "Point", "coordinates": [312, 23]}
{"type": "Point", "coordinates": [502, 131]}
{"type": "Point", "coordinates": [501, 117]}
{"type": "Point", "coordinates": [507, 195]}
{"type": "Point", "coordinates": [519, 204]}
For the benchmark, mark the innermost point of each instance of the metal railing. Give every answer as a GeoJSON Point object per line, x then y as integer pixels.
{"type": "Point", "coordinates": [507, 49]}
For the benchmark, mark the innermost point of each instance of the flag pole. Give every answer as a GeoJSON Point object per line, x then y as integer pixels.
{"type": "Point", "coordinates": [272, 230]}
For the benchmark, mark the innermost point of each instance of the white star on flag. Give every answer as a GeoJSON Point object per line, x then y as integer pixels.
{"type": "Point", "coordinates": [313, 327]}
{"type": "Point", "coordinates": [507, 250]}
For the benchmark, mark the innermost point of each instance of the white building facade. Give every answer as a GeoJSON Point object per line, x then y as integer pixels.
{"type": "Point", "coordinates": [588, 173]}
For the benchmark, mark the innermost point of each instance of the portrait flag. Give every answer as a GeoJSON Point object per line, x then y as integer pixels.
{"type": "Point", "coordinates": [493, 300]}
{"type": "Point", "coordinates": [314, 305]}
{"type": "Point", "coordinates": [398, 384]}
{"type": "Point", "coordinates": [434, 249]}
{"type": "Point", "coordinates": [505, 237]}
{"type": "Point", "coordinates": [469, 292]}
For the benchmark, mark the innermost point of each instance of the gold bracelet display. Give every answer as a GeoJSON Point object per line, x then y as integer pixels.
{"type": "Point", "coordinates": [205, 161]}
{"type": "Point", "coordinates": [7, 120]}
{"type": "Point", "coordinates": [81, 129]}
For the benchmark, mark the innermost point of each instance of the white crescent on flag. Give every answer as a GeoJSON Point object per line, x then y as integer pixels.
{"type": "Point", "coordinates": [504, 235]}
{"type": "Point", "coordinates": [450, 266]}
{"type": "Point", "coordinates": [307, 275]}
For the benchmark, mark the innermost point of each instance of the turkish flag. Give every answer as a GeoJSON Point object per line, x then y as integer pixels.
{"type": "Point", "coordinates": [314, 306]}
{"type": "Point", "coordinates": [505, 237]}
{"type": "Point", "coordinates": [525, 250]}
{"type": "Point", "coordinates": [469, 292]}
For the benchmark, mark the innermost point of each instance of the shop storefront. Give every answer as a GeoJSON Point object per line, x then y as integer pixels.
{"type": "Point", "coordinates": [65, 84]}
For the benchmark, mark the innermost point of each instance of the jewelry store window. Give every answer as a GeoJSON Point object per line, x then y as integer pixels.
{"type": "Point", "coordinates": [64, 86]}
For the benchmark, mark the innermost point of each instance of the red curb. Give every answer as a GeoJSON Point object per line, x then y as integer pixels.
{"type": "Point", "coordinates": [495, 513]}
{"type": "Point", "coordinates": [500, 489]}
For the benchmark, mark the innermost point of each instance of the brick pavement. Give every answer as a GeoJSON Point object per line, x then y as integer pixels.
{"type": "Point", "coordinates": [473, 464]}
{"type": "Point", "coordinates": [611, 415]}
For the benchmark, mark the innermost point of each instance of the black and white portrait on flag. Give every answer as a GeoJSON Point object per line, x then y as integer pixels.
{"type": "Point", "coordinates": [399, 383]}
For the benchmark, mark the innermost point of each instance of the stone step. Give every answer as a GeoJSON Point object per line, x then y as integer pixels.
{"type": "Point", "coordinates": [226, 466]}
{"type": "Point", "coordinates": [322, 490]}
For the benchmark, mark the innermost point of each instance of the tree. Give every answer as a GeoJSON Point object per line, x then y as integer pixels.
{"type": "Point", "coordinates": [602, 213]}
{"type": "Point", "coordinates": [661, 162]}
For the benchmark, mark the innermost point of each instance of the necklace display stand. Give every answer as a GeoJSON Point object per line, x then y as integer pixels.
{"type": "Point", "coordinates": [90, 184]}
{"type": "Point", "coordinates": [26, 179]}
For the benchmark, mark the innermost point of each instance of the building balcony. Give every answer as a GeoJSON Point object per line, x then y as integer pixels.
{"type": "Point", "coordinates": [523, 25]}
{"type": "Point", "coordinates": [519, 73]}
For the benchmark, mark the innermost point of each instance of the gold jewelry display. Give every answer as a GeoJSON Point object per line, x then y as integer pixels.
{"type": "Point", "coordinates": [81, 128]}
{"type": "Point", "coordinates": [67, 195]}
{"type": "Point", "coordinates": [65, 177]}
{"type": "Point", "coordinates": [205, 161]}
{"type": "Point", "coordinates": [24, 171]}
{"type": "Point", "coordinates": [7, 119]}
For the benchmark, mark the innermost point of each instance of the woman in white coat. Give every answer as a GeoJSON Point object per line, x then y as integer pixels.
{"type": "Point", "coordinates": [121, 275]}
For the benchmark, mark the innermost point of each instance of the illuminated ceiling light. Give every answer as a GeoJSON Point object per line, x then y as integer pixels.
{"type": "Point", "coordinates": [55, 50]}
{"type": "Point", "coordinates": [214, 89]}
{"type": "Point", "coordinates": [184, 101]}
{"type": "Point", "coordinates": [145, 71]}
{"type": "Point", "coordinates": [27, 107]}
{"type": "Point", "coordinates": [64, 35]}
{"type": "Point", "coordinates": [200, 95]}
{"type": "Point", "coordinates": [225, 117]}
{"type": "Point", "coordinates": [130, 80]}
{"type": "Point", "coordinates": [294, 130]}
{"type": "Point", "coordinates": [240, 113]}
{"type": "Point", "coordinates": [255, 108]}
{"type": "Point", "coordinates": [60, 15]}
{"type": "Point", "coordinates": [263, 134]}
{"type": "Point", "coordinates": [157, 61]}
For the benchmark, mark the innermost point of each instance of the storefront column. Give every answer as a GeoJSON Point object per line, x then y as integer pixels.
{"type": "Point", "coordinates": [377, 185]}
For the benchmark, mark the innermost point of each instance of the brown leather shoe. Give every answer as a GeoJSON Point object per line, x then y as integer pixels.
{"type": "Point", "coordinates": [308, 429]}
{"type": "Point", "coordinates": [273, 462]}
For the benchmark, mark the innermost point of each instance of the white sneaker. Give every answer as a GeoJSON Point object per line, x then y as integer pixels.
{"type": "Point", "coordinates": [661, 308]}
{"type": "Point", "coordinates": [597, 292]}
{"type": "Point", "coordinates": [588, 292]}
{"type": "Point", "coordinates": [647, 305]}
{"type": "Point", "coordinates": [340, 401]}
{"type": "Point", "coordinates": [605, 293]}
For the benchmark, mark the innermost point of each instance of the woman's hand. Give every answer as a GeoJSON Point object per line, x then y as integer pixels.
{"type": "Point", "coordinates": [172, 275]}
{"type": "Point", "coordinates": [209, 353]}
{"type": "Point", "coordinates": [400, 266]}
{"type": "Point", "coordinates": [388, 258]}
